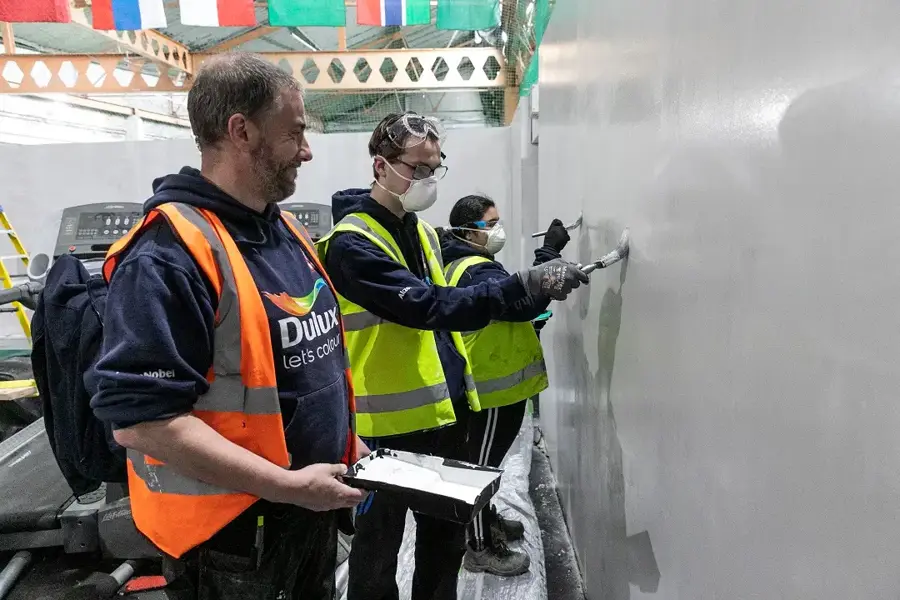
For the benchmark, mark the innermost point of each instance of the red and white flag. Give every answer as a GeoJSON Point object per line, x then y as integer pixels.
{"type": "Point", "coordinates": [218, 13]}
{"type": "Point", "coordinates": [35, 11]}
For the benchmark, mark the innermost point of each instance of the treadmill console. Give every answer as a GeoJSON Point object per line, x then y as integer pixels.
{"type": "Point", "coordinates": [87, 231]}
{"type": "Point", "coordinates": [315, 217]}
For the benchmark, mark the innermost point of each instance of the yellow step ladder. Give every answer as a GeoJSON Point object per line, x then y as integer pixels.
{"type": "Point", "coordinates": [7, 229]}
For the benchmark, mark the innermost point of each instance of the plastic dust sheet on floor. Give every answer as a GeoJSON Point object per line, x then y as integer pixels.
{"type": "Point", "coordinates": [513, 502]}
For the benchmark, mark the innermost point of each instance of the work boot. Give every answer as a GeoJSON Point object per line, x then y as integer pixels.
{"type": "Point", "coordinates": [511, 531]}
{"type": "Point", "coordinates": [497, 560]}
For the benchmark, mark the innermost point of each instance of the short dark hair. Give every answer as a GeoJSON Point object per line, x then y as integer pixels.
{"type": "Point", "coordinates": [383, 145]}
{"type": "Point", "coordinates": [229, 84]}
{"type": "Point", "coordinates": [469, 209]}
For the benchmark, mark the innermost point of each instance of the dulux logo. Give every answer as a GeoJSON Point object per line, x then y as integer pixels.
{"type": "Point", "coordinates": [315, 325]}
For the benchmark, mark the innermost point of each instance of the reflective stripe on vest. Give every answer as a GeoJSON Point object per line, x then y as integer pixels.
{"type": "Point", "coordinates": [507, 359]}
{"type": "Point", "coordinates": [174, 511]}
{"type": "Point", "coordinates": [397, 371]}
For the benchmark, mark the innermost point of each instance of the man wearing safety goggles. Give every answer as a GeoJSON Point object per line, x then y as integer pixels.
{"type": "Point", "coordinates": [411, 375]}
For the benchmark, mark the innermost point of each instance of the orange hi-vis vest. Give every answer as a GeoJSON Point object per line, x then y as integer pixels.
{"type": "Point", "coordinates": [177, 512]}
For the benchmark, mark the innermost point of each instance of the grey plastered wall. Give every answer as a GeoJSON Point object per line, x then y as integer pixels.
{"type": "Point", "coordinates": [39, 181]}
{"type": "Point", "coordinates": [728, 400]}
{"type": "Point", "coordinates": [521, 220]}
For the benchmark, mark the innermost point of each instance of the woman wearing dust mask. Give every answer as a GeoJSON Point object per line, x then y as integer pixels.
{"type": "Point", "coordinates": [507, 365]}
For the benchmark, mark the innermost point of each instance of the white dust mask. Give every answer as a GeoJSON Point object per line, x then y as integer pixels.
{"type": "Point", "coordinates": [496, 239]}
{"type": "Point", "coordinates": [421, 194]}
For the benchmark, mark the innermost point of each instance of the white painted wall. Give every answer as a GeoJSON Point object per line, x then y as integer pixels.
{"type": "Point", "coordinates": [39, 181]}
{"type": "Point", "coordinates": [521, 219]}
{"type": "Point", "coordinates": [731, 391]}
{"type": "Point", "coordinates": [59, 118]}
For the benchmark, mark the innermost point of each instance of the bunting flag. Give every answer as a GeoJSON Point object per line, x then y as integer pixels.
{"type": "Point", "coordinates": [468, 15]}
{"type": "Point", "coordinates": [393, 12]}
{"type": "Point", "coordinates": [541, 19]}
{"type": "Point", "coordinates": [307, 13]}
{"type": "Point", "coordinates": [35, 11]}
{"type": "Point", "coordinates": [128, 15]}
{"type": "Point", "coordinates": [218, 13]}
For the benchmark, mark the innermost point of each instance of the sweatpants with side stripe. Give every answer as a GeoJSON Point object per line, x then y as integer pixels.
{"type": "Point", "coordinates": [491, 434]}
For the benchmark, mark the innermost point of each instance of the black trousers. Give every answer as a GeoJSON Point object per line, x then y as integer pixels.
{"type": "Point", "coordinates": [381, 520]}
{"type": "Point", "coordinates": [491, 434]}
{"type": "Point", "coordinates": [297, 562]}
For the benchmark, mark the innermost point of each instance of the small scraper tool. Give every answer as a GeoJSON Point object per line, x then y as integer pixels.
{"type": "Point", "coordinates": [612, 258]}
{"type": "Point", "coordinates": [574, 225]}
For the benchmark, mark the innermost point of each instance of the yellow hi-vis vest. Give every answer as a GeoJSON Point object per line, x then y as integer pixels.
{"type": "Point", "coordinates": [507, 359]}
{"type": "Point", "coordinates": [397, 373]}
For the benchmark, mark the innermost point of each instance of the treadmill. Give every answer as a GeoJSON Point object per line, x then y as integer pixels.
{"type": "Point", "coordinates": [52, 544]}
{"type": "Point", "coordinates": [87, 231]}
{"type": "Point", "coordinates": [315, 217]}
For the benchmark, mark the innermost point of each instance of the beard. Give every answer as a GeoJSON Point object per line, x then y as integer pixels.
{"type": "Point", "coordinates": [277, 180]}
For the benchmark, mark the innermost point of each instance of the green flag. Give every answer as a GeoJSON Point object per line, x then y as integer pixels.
{"type": "Point", "coordinates": [468, 15]}
{"type": "Point", "coordinates": [307, 13]}
{"type": "Point", "coordinates": [541, 18]}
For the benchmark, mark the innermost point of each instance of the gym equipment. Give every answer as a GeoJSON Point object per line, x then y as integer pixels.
{"type": "Point", "coordinates": [38, 513]}
{"type": "Point", "coordinates": [23, 295]}
{"type": "Point", "coordinates": [315, 217]}
{"type": "Point", "coordinates": [27, 293]}
{"type": "Point", "coordinates": [87, 231]}
{"type": "Point", "coordinates": [13, 569]}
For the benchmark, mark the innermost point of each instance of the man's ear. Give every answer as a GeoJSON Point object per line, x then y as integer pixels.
{"type": "Point", "coordinates": [380, 168]}
{"type": "Point", "coordinates": [242, 132]}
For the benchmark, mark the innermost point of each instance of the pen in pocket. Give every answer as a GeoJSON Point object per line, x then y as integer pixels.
{"type": "Point", "coordinates": [259, 542]}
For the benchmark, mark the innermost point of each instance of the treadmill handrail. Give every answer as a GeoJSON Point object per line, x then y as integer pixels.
{"type": "Point", "coordinates": [11, 445]}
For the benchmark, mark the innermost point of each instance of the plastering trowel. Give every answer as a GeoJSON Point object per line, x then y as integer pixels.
{"type": "Point", "coordinates": [574, 225]}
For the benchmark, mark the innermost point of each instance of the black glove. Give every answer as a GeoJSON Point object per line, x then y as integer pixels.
{"type": "Point", "coordinates": [555, 279]}
{"type": "Point", "coordinates": [556, 237]}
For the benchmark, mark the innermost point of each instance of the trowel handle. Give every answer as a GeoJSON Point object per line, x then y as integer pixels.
{"type": "Point", "coordinates": [610, 259]}
{"type": "Point", "coordinates": [568, 228]}
{"type": "Point", "coordinates": [589, 268]}
{"type": "Point", "coordinates": [621, 251]}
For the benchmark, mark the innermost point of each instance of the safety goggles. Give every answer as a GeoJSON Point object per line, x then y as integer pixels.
{"type": "Point", "coordinates": [480, 225]}
{"type": "Point", "coordinates": [412, 129]}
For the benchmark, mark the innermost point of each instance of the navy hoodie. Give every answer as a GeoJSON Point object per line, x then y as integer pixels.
{"type": "Point", "coordinates": [366, 276]}
{"type": "Point", "coordinates": [453, 248]}
{"type": "Point", "coordinates": [160, 316]}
